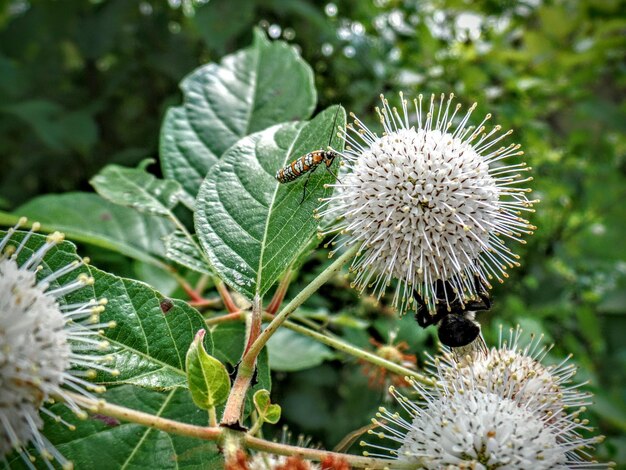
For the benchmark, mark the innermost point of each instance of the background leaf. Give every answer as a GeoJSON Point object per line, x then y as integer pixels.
{"type": "Point", "coordinates": [248, 91]}
{"type": "Point", "coordinates": [88, 218]}
{"type": "Point", "coordinates": [289, 351]}
{"type": "Point", "coordinates": [251, 226]}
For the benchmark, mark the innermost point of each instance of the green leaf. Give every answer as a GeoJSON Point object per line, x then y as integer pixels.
{"type": "Point", "coordinates": [152, 335]}
{"type": "Point", "coordinates": [207, 377]}
{"type": "Point", "coordinates": [251, 226]}
{"type": "Point", "coordinates": [88, 218]}
{"type": "Point", "coordinates": [268, 412]}
{"type": "Point", "coordinates": [179, 249]}
{"type": "Point", "coordinates": [290, 351]}
{"type": "Point", "coordinates": [246, 92]}
{"type": "Point", "coordinates": [129, 445]}
{"type": "Point", "coordinates": [138, 189]}
{"type": "Point", "coordinates": [219, 22]}
{"type": "Point", "coordinates": [42, 117]}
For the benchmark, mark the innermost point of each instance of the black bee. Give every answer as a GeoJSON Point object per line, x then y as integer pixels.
{"type": "Point", "coordinates": [455, 319]}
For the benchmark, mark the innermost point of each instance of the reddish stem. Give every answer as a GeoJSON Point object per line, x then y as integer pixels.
{"type": "Point", "coordinates": [279, 295]}
{"type": "Point", "coordinates": [229, 303]}
{"type": "Point", "coordinates": [206, 302]}
{"type": "Point", "coordinates": [235, 316]}
{"type": "Point", "coordinates": [245, 371]}
{"type": "Point", "coordinates": [193, 295]}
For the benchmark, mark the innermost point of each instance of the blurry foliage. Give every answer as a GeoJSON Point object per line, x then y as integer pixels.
{"type": "Point", "coordinates": [87, 83]}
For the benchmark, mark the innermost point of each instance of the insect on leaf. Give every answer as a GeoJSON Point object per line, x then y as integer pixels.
{"type": "Point", "coordinates": [251, 226]}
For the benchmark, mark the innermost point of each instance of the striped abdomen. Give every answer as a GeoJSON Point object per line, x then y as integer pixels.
{"type": "Point", "coordinates": [301, 165]}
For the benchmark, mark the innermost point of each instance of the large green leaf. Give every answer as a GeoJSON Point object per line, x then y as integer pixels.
{"type": "Point", "coordinates": [251, 226]}
{"type": "Point", "coordinates": [129, 445]}
{"type": "Point", "coordinates": [138, 189]}
{"type": "Point", "coordinates": [88, 218]}
{"type": "Point", "coordinates": [246, 92]}
{"type": "Point", "coordinates": [152, 335]}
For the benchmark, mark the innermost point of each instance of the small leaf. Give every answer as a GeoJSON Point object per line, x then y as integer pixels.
{"type": "Point", "coordinates": [290, 351]}
{"type": "Point", "coordinates": [138, 189]}
{"type": "Point", "coordinates": [251, 226]}
{"type": "Point", "coordinates": [88, 218]}
{"type": "Point", "coordinates": [246, 92]}
{"type": "Point", "coordinates": [207, 377]}
{"type": "Point", "coordinates": [179, 249]}
{"type": "Point", "coordinates": [267, 411]}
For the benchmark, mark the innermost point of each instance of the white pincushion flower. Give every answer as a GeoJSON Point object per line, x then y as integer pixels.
{"type": "Point", "coordinates": [430, 200]}
{"type": "Point", "coordinates": [500, 410]}
{"type": "Point", "coordinates": [516, 371]}
{"type": "Point", "coordinates": [480, 430]}
{"type": "Point", "coordinates": [45, 343]}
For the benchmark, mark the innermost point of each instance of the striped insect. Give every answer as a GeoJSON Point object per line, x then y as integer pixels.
{"type": "Point", "coordinates": [308, 163]}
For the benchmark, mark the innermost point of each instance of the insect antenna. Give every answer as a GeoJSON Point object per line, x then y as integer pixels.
{"type": "Point", "coordinates": [330, 139]}
{"type": "Point", "coordinates": [332, 129]}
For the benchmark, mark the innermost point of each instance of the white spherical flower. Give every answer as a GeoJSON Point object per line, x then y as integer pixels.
{"type": "Point", "coordinates": [46, 342]}
{"type": "Point", "coordinates": [429, 200]}
{"type": "Point", "coordinates": [480, 430]}
{"type": "Point", "coordinates": [500, 410]}
{"type": "Point", "coordinates": [515, 370]}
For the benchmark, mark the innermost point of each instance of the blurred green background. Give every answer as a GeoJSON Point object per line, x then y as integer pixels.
{"type": "Point", "coordinates": [86, 83]}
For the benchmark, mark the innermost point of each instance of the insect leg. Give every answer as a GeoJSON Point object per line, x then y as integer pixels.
{"type": "Point", "coordinates": [304, 187]}
{"type": "Point", "coordinates": [334, 175]}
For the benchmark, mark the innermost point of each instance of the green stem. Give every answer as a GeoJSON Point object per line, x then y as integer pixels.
{"type": "Point", "coordinates": [298, 300]}
{"type": "Point", "coordinates": [217, 434]}
{"type": "Point", "coordinates": [341, 345]}
{"type": "Point", "coordinates": [212, 417]}
{"type": "Point", "coordinates": [256, 426]}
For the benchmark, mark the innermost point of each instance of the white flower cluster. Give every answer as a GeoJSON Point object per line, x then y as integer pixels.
{"type": "Point", "coordinates": [431, 199]}
{"type": "Point", "coordinates": [503, 409]}
{"type": "Point", "coordinates": [46, 342]}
